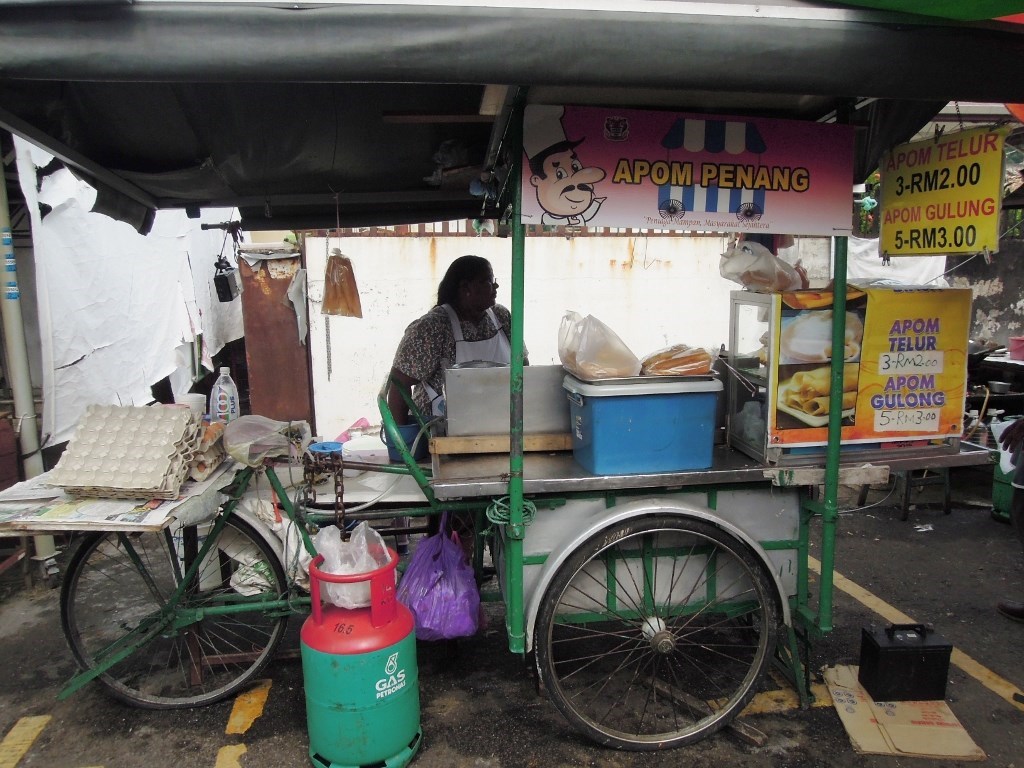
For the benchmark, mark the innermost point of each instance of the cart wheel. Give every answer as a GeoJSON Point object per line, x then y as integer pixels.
{"type": "Point", "coordinates": [116, 592]}
{"type": "Point", "coordinates": [655, 632]}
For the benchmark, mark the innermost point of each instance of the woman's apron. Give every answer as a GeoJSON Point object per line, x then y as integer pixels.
{"type": "Point", "coordinates": [495, 350]}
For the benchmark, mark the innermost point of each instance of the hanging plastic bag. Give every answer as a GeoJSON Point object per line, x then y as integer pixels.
{"type": "Point", "coordinates": [439, 588]}
{"type": "Point", "coordinates": [341, 295]}
{"type": "Point", "coordinates": [364, 551]}
{"type": "Point", "coordinates": [594, 351]}
{"type": "Point", "coordinates": [755, 267]}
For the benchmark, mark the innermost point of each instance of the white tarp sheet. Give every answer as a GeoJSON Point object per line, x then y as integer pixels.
{"type": "Point", "coordinates": [865, 264]}
{"type": "Point", "coordinates": [117, 310]}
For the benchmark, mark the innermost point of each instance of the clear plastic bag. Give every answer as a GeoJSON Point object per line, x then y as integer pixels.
{"type": "Point", "coordinates": [251, 439]}
{"type": "Point", "coordinates": [440, 590]}
{"type": "Point", "coordinates": [591, 350]}
{"type": "Point", "coordinates": [364, 551]}
{"type": "Point", "coordinates": [569, 338]}
{"type": "Point", "coordinates": [677, 360]}
{"type": "Point", "coordinates": [755, 267]}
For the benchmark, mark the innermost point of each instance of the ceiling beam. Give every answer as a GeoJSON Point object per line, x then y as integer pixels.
{"type": "Point", "coordinates": [70, 157]}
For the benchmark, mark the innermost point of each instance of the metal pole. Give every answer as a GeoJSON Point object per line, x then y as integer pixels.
{"type": "Point", "coordinates": [516, 529]}
{"type": "Point", "coordinates": [830, 513]}
{"type": "Point", "coordinates": [17, 363]}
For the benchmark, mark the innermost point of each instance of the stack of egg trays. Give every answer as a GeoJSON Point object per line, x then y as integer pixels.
{"type": "Point", "coordinates": [125, 452]}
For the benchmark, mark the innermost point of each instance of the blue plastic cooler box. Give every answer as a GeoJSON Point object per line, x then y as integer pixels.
{"type": "Point", "coordinates": [642, 425]}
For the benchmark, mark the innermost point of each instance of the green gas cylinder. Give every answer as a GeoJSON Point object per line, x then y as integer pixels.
{"type": "Point", "coordinates": [360, 676]}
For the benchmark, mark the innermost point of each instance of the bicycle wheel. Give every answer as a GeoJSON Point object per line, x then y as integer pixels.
{"type": "Point", "coordinates": [115, 596]}
{"type": "Point", "coordinates": [654, 633]}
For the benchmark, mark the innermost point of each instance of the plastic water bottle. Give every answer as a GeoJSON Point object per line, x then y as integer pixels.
{"type": "Point", "coordinates": [224, 398]}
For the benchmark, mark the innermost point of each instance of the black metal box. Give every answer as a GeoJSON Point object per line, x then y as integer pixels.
{"type": "Point", "coordinates": [904, 662]}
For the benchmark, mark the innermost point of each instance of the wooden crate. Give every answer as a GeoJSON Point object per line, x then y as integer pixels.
{"type": "Point", "coordinates": [561, 441]}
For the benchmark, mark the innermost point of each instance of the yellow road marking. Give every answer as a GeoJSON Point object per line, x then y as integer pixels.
{"type": "Point", "coordinates": [998, 685]}
{"type": "Point", "coordinates": [248, 706]}
{"type": "Point", "coordinates": [228, 757]}
{"type": "Point", "coordinates": [18, 740]}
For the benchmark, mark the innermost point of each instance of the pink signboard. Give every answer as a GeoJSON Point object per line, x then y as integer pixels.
{"type": "Point", "coordinates": [605, 167]}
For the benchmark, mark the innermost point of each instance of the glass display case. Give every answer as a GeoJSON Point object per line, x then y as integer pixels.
{"type": "Point", "coordinates": [904, 372]}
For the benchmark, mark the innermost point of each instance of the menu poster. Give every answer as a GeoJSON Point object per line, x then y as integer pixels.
{"type": "Point", "coordinates": [943, 195]}
{"type": "Point", "coordinates": [913, 376]}
{"type": "Point", "coordinates": [904, 370]}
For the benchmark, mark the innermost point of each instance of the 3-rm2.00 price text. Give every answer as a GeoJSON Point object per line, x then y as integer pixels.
{"type": "Point", "coordinates": [936, 179]}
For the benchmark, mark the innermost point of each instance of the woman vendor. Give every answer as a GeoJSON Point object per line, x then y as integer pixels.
{"type": "Point", "coordinates": [464, 325]}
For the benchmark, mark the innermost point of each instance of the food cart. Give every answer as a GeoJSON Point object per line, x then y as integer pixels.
{"type": "Point", "coordinates": [651, 602]}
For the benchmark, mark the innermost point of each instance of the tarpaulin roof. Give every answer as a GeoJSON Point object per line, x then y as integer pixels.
{"type": "Point", "coordinates": [308, 114]}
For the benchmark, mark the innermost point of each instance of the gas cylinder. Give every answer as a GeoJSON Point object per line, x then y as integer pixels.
{"type": "Point", "coordinates": [360, 675]}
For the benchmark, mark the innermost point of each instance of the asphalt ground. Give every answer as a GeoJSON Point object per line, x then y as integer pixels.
{"type": "Point", "coordinates": [480, 706]}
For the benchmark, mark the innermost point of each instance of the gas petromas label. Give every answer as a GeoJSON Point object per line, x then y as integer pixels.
{"type": "Point", "coordinates": [394, 678]}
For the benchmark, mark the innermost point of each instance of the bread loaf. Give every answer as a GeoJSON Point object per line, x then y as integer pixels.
{"type": "Point", "coordinates": [677, 360]}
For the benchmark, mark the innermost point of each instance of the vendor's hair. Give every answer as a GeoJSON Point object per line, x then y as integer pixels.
{"type": "Point", "coordinates": [463, 268]}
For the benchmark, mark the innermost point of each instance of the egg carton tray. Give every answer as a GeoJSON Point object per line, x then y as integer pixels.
{"type": "Point", "coordinates": [128, 452]}
{"type": "Point", "coordinates": [169, 488]}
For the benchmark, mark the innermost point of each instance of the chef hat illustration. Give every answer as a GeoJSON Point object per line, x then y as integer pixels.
{"type": "Point", "coordinates": [542, 128]}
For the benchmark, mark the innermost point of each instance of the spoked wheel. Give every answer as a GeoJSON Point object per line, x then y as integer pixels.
{"type": "Point", "coordinates": [654, 633]}
{"type": "Point", "coordinates": [115, 602]}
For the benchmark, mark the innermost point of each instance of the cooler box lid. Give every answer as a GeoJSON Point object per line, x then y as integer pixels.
{"type": "Point", "coordinates": [641, 385]}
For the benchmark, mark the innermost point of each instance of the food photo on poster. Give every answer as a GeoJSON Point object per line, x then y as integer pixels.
{"type": "Point", "coordinates": [805, 354]}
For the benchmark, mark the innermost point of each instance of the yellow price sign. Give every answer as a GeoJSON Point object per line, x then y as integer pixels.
{"type": "Point", "coordinates": [943, 196]}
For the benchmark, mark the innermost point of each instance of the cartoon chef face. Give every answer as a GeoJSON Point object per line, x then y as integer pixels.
{"type": "Point", "coordinates": [564, 187]}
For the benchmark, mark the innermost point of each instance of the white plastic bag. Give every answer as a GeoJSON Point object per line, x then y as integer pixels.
{"type": "Point", "coordinates": [755, 267]}
{"type": "Point", "coordinates": [252, 574]}
{"type": "Point", "coordinates": [1007, 463]}
{"type": "Point", "coordinates": [591, 350]}
{"type": "Point", "coordinates": [296, 558]}
{"type": "Point", "coordinates": [364, 551]}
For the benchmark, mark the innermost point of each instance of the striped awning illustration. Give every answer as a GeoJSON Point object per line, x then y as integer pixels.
{"type": "Point", "coordinates": [674, 202]}
{"type": "Point", "coordinates": [733, 137]}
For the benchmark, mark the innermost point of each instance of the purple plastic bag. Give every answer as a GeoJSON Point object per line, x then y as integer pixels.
{"type": "Point", "coordinates": [440, 590]}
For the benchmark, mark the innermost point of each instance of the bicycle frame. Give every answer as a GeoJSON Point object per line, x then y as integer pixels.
{"type": "Point", "coordinates": [173, 617]}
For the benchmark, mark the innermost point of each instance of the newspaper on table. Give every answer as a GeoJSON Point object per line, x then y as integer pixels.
{"type": "Point", "coordinates": [33, 505]}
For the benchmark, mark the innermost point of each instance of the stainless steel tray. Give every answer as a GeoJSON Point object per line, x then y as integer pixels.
{"type": "Point", "coordinates": [641, 379]}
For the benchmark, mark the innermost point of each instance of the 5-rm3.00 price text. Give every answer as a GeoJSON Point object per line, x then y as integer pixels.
{"type": "Point", "coordinates": [910, 420]}
{"type": "Point", "coordinates": [926, 238]}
